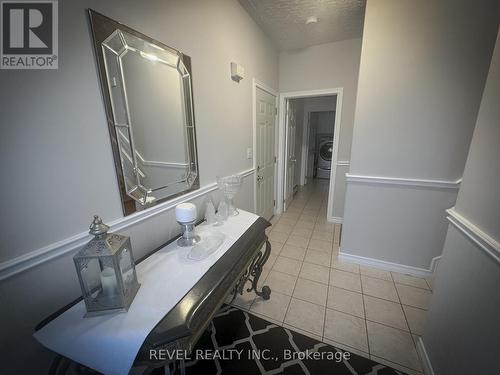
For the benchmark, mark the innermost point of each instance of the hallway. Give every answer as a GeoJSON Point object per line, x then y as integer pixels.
{"type": "Point", "coordinates": [370, 312]}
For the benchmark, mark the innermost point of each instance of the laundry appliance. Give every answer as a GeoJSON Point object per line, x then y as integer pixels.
{"type": "Point", "coordinates": [324, 158]}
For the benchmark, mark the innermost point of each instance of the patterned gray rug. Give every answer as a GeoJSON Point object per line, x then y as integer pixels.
{"type": "Point", "coordinates": [238, 342]}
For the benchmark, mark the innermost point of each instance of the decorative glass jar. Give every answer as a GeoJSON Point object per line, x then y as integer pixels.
{"type": "Point", "coordinates": [106, 271]}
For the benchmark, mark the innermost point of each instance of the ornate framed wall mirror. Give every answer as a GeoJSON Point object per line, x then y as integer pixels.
{"type": "Point", "coordinates": [147, 92]}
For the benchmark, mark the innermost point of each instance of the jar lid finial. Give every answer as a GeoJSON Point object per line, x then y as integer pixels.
{"type": "Point", "coordinates": [98, 227]}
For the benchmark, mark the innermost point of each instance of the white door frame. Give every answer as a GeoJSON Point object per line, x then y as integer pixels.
{"type": "Point", "coordinates": [261, 85]}
{"type": "Point", "coordinates": [282, 144]}
{"type": "Point", "coordinates": [305, 148]}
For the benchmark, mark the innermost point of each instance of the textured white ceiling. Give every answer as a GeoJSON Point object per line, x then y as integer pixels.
{"type": "Point", "coordinates": [284, 21]}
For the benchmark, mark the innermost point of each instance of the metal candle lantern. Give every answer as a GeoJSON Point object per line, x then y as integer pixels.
{"type": "Point", "coordinates": [106, 270]}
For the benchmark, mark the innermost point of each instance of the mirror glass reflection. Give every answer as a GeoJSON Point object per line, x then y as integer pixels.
{"type": "Point", "coordinates": [149, 96]}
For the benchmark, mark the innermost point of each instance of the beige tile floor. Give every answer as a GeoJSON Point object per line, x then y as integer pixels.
{"type": "Point", "coordinates": [370, 312]}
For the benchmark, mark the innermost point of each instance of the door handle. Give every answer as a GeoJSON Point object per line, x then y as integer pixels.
{"type": "Point", "coordinates": [293, 160]}
{"type": "Point", "coordinates": [259, 178]}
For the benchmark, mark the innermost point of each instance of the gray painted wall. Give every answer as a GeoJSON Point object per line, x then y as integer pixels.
{"type": "Point", "coordinates": [462, 332]}
{"type": "Point", "coordinates": [54, 113]}
{"type": "Point", "coordinates": [481, 184]}
{"type": "Point", "coordinates": [324, 66]}
{"type": "Point", "coordinates": [420, 82]}
{"type": "Point", "coordinates": [398, 224]}
{"type": "Point", "coordinates": [57, 165]}
{"type": "Point", "coordinates": [326, 122]}
{"type": "Point", "coordinates": [321, 103]}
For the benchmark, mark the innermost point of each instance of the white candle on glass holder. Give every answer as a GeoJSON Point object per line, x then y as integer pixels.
{"type": "Point", "coordinates": [108, 281]}
{"type": "Point", "coordinates": [185, 212]}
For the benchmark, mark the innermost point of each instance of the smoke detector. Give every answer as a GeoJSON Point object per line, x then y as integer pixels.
{"type": "Point", "coordinates": [311, 20]}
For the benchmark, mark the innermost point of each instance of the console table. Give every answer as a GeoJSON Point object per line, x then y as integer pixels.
{"type": "Point", "coordinates": [237, 270]}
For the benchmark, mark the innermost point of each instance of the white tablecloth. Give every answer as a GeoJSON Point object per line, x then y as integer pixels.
{"type": "Point", "coordinates": [109, 343]}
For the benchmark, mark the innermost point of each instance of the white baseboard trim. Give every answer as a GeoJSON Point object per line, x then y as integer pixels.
{"type": "Point", "coordinates": [336, 219]}
{"type": "Point", "coordinates": [424, 358]}
{"type": "Point", "coordinates": [34, 258]}
{"type": "Point", "coordinates": [389, 266]}
{"type": "Point", "coordinates": [343, 163]}
{"type": "Point", "coordinates": [480, 238]}
{"type": "Point", "coordinates": [434, 263]}
{"type": "Point", "coordinates": [417, 182]}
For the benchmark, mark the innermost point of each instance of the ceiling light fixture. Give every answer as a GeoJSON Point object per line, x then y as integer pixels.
{"type": "Point", "coordinates": [312, 19]}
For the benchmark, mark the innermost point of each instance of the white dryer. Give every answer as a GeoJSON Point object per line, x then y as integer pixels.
{"type": "Point", "coordinates": [325, 154]}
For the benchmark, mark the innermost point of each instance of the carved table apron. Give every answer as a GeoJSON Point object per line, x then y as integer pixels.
{"type": "Point", "coordinates": [181, 327]}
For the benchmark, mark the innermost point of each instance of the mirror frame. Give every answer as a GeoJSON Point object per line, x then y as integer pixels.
{"type": "Point", "coordinates": [102, 27]}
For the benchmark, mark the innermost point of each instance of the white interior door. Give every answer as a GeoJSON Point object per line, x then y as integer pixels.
{"type": "Point", "coordinates": [264, 154]}
{"type": "Point", "coordinates": [290, 160]}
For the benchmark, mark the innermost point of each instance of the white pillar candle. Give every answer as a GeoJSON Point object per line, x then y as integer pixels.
{"type": "Point", "coordinates": [185, 212]}
{"type": "Point", "coordinates": [108, 281]}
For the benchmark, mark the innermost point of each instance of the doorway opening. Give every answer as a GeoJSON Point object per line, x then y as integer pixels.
{"type": "Point", "coordinates": [309, 142]}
